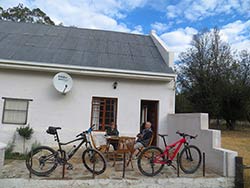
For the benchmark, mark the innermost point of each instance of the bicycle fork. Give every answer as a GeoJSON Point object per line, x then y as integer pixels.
{"type": "Point", "coordinates": [188, 154]}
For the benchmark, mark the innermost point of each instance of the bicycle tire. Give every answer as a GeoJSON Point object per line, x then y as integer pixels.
{"type": "Point", "coordinates": [190, 159]}
{"type": "Point", "coordinates": [145, 161]}
{"type": "Point", "coordinates": [91, 156]}
{"type": "Point", "coordinates": [41, 161]}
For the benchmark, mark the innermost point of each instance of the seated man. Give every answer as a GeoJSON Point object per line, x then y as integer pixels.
{"type": "Point", "coordinates": [144, 137]}
{"type": "Point", "coordinates": [112, 131]}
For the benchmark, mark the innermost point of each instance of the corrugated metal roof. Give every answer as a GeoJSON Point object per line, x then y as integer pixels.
{"type": "Point", "coordinates": [79, 47]}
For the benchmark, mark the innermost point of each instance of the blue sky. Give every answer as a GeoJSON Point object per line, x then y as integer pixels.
{"type": "Point", "coordinates": [175, 21]}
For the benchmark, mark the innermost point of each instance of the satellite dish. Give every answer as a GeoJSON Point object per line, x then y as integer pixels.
{"type": "Point", "coordinates": [62, 82]}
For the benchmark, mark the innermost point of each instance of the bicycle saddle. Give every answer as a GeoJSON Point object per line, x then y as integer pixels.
{"type": "Point", "coordinates": [52, 130]}
{"type": "Point", "coordinates": [162, 135]}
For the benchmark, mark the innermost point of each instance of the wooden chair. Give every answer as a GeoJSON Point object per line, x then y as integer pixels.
{"type": "Point", "coordinates": [98, 140]}
{"type": "Point", "coordinates": [125, 147]}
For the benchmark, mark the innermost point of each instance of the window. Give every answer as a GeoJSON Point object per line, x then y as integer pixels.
{"type": "Point", "coordinates": [104, 112]}
{"type": "Point", "coordinates": [15, 111]}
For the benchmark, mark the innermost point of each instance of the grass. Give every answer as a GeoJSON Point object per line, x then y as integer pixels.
{"type": "Point", "coordinates": [15, 156]}
{"type": "Point", "coordinates": [239, 140]}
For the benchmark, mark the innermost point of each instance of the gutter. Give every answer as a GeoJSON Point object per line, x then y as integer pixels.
{"type": "Point", "coordinates": [87, 71]}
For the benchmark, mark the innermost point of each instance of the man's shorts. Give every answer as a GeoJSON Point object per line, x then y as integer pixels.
{"type": "Point", "coordinates": [138, 145]}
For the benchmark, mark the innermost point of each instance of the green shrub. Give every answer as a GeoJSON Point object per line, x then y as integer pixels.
{"type": "Point", "coordinates": [26, 132]}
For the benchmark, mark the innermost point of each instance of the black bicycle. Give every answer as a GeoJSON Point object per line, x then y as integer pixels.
{"type": "Point", "coordinates": [43, 160]}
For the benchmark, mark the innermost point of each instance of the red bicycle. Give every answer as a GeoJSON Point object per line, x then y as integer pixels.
{"type": "Point", "coordinates": [152, 159]}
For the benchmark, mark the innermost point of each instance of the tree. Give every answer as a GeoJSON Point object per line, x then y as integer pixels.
{"type": "Point", "coordinates": [201, 68]}
{"type": "Point", "coordinates": [213, 80]}
{"type": "Point", "coordinates": [182, 104]}
{"type": "Point", "coordinates": [24, 14]}
{"type": "Point", "coordinates": [244, 76]}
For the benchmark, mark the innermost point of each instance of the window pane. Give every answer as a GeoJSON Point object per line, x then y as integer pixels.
{"type": "Point", "coordinates": [106, 113]}
{"type": "Point", "coordinates": [14, 117]}
{"type": "Point", "coordinates": [16, 104]}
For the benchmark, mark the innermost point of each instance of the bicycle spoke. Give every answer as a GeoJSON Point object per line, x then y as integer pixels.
{"type": "Point", "coordinates": [41, 161]}
{"type": "Point", "coordinates": [190, 159]}
{"type": "Point", "coordinates": [94, 161]}
{"type": "Point", "coordinates": [149, 161]}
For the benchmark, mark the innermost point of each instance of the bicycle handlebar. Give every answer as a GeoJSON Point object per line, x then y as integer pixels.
{"type": "Point", "coordinates": [186, 135]}
{"type": "Point", "coordinates": [87, 131]}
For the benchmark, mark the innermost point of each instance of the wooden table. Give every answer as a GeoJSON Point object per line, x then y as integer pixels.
{"type": "Point", "coordinates": [125, 146]}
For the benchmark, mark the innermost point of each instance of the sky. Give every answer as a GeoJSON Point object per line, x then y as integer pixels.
{"type": "Point", "coordinates": [175, 21]}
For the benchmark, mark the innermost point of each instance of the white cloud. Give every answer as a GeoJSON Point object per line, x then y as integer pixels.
{"type": "Point", "coordinates": [172, 11]}
{"type": "Point", "coordinates": [85, 13]}
{"type": "Point", "coordinates": [132, 4]}
{"type": "Point", "coordinates": [138, 30]}
{"type": "Point", "coordinates": [200, 9]}
{"type": "Point", "coordinates": [237, 34]}
{"type": "Point", "coordinates": [159, 27]}
{"type": "Point", "coordinates": [179, 40]}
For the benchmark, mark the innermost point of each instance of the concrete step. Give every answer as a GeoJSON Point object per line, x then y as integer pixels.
{"type": "Point", "coordinates": [121, 183]}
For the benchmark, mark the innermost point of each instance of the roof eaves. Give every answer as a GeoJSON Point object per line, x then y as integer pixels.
{"type": "Point", "coordinates": [91, 71]}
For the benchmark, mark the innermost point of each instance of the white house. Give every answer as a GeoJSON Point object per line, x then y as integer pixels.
{"type": "Point", "coordinates": [31, 55]}
{"type": "Point", "coordinates": [120, 77]}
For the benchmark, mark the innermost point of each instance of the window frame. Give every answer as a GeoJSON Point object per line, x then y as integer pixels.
{"type": "Point", "coordinates": [16, 99]}
{"type": "Point", "coordinates": [92, 110]}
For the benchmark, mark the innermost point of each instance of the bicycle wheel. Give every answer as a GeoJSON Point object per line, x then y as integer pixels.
{"type": "Point", "coordinates": [190, 159]}
{"type": "Point", "coordinates": [41, 161]}
{"type": "Point", "coordinates": [94, 161]}
{"type": "Point", "coordinates": [149, 161]}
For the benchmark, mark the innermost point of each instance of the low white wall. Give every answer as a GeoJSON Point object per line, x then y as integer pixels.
{"type": "Point", "coordinates": [220, 160]}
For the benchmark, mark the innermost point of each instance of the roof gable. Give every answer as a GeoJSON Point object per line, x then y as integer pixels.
{"type": "Point", "coordinates": [79, 47]}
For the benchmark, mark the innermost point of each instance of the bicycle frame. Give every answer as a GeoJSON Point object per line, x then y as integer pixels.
{"type": "Point", "coordinates": [63, 152]}
{"type": "Point", "coordinates": [177, 145]}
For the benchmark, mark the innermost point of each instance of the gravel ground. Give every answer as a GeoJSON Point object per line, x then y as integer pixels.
{"type": "Point", "coordinates": [14, 174]}
{"type": "Point", "coordinates": [17, 169]}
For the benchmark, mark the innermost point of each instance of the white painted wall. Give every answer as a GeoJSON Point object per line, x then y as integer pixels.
{"type": "Point", "coordinates": [2, 150]}
{"type": "Point", "coordinates": [166, 54]}
{"type": "Point", "coordinates": [219, 160]}
{"type": "Point", "coordinates": [73, 111]}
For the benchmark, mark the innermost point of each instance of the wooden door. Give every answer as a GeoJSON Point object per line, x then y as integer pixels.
{"type": "Point", "coordinates": [149, 112]}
